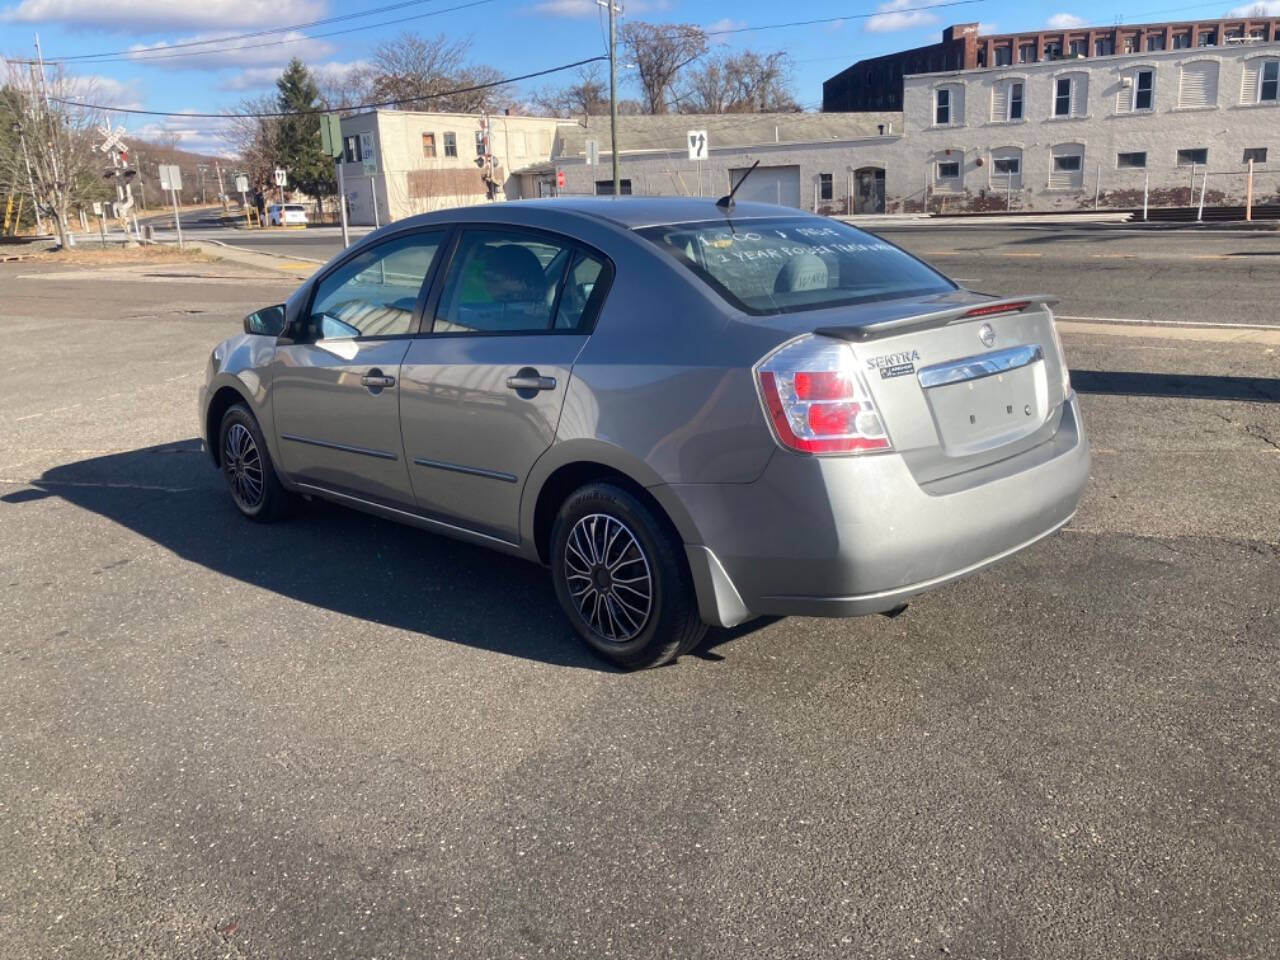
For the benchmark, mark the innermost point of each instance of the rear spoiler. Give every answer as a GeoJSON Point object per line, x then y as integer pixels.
{"type": "Point", "coordinates": [937, 318]}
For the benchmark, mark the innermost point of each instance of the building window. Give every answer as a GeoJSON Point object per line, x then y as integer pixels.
{"type": "Point", "coordinates": [1015, 101]}
{"type": "Point", "coordinates": [1053, 50]}
{"type": "Point", "coordinates": [1004, 56]}
{"type": "Point", "coordinates": [824, 186]}
{"type": "Point", "coordinates": [1131, 159]}
{"type": "Point", "coordinates": [948, 169]}
{"type": "Point", "coordinates": [604, 188]}
{"type": "Point", "coordinates": [1062, 97]}
{"type": "Point", "coordinates": [480, 150]}
{"type": "Point", "coordinates": [1207, 38]}
{"type": "Point", "coordinates": [1027, 53]}
{"type": "Point", "coordinates": [1143, 89]}
{"type": "Point", "coordinates": [1078, 48]}
{"type": "Point", "coordinates": [1270, 75]}
{"type": "Point", "coordinates": [1256, 154]}
{"type": "Point", "coordinates": [450, 144]}
{"type": "Point", "coordinates": [1196, 155]}
{"type": "Point", "coordinates": [1068, 163]}
{"type": "Point", "coordinates": [942, 111]}
{"type": "Point", "coordinates": [1130, 45]}
{"type": "Point", "coordinates": [1007, 166]}
{"type": "Point", "coordinates": [1181, 41]}
{"type": "Point", "coordinates": [353, 154]}
{"type": "Point", "coordinates": [1066, 172]}
{"type": "Point", "coordinates": [1155, 41]}
{"type": "Point", "coordinates": [1103, 47]}
{"type": "Point", "coordinates": [428, 144]}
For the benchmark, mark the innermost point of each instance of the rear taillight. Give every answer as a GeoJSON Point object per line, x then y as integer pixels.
{"type": "Point", "coordinates": [1062, 358]}
{"type": "Point", "coordinates": [817, 401]}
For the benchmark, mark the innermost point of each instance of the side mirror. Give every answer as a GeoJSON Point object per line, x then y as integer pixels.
{"type": "Point", "coordinates": [267, 322]}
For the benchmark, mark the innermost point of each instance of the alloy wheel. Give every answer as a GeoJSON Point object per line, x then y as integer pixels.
{"type": "Point", "coordinates": [608, 577]}
{"type": "Point", "coordinates": [242, 463]}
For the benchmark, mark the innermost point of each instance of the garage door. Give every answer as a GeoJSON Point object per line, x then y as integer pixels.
{"type": "Point", "coordinates": [779, 185]}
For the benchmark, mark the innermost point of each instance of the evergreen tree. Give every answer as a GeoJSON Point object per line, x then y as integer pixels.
{"type": "Point", "coordinates": [298, 137]}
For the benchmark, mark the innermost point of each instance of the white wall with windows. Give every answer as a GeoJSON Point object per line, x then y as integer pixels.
{"type": "Point", "coordinates": [1048, 135]}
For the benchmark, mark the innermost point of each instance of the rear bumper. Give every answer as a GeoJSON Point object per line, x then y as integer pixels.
{"type": "Point", "coordinates": [846, 536]}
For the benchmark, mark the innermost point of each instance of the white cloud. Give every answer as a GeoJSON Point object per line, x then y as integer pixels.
{"type": "Point", "coordinates": [136, 15]}
{"type": "Point", "coordinates": [1267, 8]}
{"type": "Point", "coordinates": [725, 23]}
{"type": "Point", "coordinates": [984, 28]}
{"type": "Point", "coordinates": [589, 8]}
{"type": "Point", "coordinates": [255, 78]}
{"type": "Point", "coordinates": [197, 135]}
{"type": "Point", "coordinates": [892, 16]}
{"type": "Point", "coordinates": [108, 91]}
{"type": "Point", "coordinates": [1065, 21]}
{"type": "Point", "coordinates": [254, 52]}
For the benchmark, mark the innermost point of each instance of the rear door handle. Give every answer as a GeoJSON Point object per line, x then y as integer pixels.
{"type": "Point", "coordinates": [524, 381]}
{"type": "Point", "coordinates": [377, 380]}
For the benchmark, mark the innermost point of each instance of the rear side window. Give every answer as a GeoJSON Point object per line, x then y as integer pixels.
{"type": "Point", "coordinates": [778, 266]}
{"type": "Point", "coordinates": [508, 281]}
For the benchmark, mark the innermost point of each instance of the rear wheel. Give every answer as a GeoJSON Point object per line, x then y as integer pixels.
{"type": "Point", "coordinates": [620, 576]}
{"type": "Point", "coordinates": [247, 468]}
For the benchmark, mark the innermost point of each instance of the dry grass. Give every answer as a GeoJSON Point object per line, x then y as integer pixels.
{"type": "Point", "coordinates": [87, 255]}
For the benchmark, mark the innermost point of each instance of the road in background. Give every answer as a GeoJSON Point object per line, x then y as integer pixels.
{"type": "Point", "coordinates": [339, 737]}
{"type": "Point", "coordinates": [1097, 269]}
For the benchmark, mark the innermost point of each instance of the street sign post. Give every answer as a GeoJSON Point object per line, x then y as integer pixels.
{"type": "Point", "coordinates": [171, 180]}
{"type": "Point", "coordinates": [593, 152]}
{"type": "Point", "coordinates": [331, 146]}
{"type": "Point", "coordinates": [282, 178]}
{"type": "Point", "coordinates": [698, 147]}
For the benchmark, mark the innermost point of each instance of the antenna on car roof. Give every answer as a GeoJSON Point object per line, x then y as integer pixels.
{"type": "Point", "coordinates": [727, 201]}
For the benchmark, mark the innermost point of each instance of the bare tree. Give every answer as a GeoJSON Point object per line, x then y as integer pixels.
{"type": "Point", "coordinates": [746, 82]}
{"type": "Point", "coordinates": [416, 72]}
{"type": "Point", "coordinates": [345, 90]}
{"type": "Point", "coordinates": [660, 51]}
{"type": "Point", "coordinates": [589, 95]}
{"type": "Point", "coordinates": [66, 170]}
{"type": "Point", "coordinates": [254, 139]}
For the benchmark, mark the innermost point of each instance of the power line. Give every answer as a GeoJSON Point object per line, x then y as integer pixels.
{"type": "Point", "coordinates": [132, 53]}
{"type": "Point", "coordinates": [360, 106]}
{"type": "Point", "coordinates": [142, 56]}
{"type": "Point", "coordinates": [847, 16]}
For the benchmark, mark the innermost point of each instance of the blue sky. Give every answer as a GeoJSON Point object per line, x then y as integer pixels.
{"type": "Point", "coordinates": [516, 36]}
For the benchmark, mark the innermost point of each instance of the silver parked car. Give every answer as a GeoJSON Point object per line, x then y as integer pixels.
{"type": "Point", "coordinates": [693, 412]}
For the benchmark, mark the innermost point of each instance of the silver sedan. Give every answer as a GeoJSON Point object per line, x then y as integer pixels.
{"type": "Point", "coordinates": [692, 412]}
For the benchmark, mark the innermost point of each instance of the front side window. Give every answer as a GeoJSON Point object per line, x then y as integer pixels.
{"type": "Point", "coordinates": [1196, 155]}
{"type": "Point", "coordinates": [375, 293]}
{"type": "Point", "coordinates": [942, 112]}
{"type": "Point", "coordinates": [824, 186]}
{"type": "Point", "coordinates": [1143, 89]}
{"type": "Point", "coordinates": [789, 264]}
{"type": "Point", "coordinates": [1138, 159]}
{"type": "Point", "coordinates": [428, 144]}
{"type": "Point", "coordinates": [1015, 101]}
{"type": "Point", "coordinates": [1062, 97]}
{"type": "Point", "coordinates": [503, 281]}
{"type": "Point", "coordinates": [450, 144]}
{"type": "Point", "coordinates": [1270, 81]}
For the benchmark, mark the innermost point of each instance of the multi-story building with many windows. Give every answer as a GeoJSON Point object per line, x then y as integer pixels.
{"type": "Point", "coordinates": [877, 83]}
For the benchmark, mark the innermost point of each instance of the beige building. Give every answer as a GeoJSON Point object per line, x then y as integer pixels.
{"type": "Point", "coordinates": [397, 163]}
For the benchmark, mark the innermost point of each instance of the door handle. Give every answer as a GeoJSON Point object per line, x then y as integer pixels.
{"type": "Point", "coordinates": [377, 380]}
{"type": "Point", "coordinates": [525, 381]}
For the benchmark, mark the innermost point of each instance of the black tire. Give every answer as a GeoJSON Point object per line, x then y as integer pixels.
{"type": "Point", "coordinates": [247, 468]}
{"type": "Point", "coordinates": [600, 532]}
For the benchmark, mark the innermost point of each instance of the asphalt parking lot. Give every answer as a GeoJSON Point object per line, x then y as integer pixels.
{"type": "Point", "coordinates": [338, 737]}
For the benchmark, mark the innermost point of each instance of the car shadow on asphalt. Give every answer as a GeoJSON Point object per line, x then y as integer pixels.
{"type": "Point", "coordinates": [1178, 385]}
{"type": "Point", "coordinates": [333, 558]}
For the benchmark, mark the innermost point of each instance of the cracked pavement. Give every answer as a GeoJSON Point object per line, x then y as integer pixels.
{"type": "Point", "coordinates": [338, 737]}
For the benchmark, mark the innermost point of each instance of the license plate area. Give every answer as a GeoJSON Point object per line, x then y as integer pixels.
{"type": "Point", "coordinates": [990, 410]}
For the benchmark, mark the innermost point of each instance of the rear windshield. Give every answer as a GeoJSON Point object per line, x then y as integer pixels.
{"type": "Point", "coordinates": [295, 208]}
{"type": "Point", "coordinates": [800, 263]}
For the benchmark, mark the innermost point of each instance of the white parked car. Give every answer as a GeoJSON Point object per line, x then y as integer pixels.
{"type": "Point", "coordinates": [286, 215]}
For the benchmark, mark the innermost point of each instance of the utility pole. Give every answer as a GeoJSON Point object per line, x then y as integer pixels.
{"type": "Point", "coordinates": [613, 97]}
{"type": "Point", "coordinates": [31, 182]}
{"type": "Point", "coordinates": [222, 194]}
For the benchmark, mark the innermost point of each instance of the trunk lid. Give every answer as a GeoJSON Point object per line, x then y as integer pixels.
{"type": "Point", "coordinates": [961, 380]}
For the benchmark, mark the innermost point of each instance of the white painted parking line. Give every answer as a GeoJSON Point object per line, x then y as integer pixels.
{"type": "Point", "coordinates": [1170, 323]}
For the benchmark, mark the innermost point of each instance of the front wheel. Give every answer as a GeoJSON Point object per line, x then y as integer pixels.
{"type": "Point", "coordinates": [247, 468]}
{"type": "Point", "coordinates": [621, 577]}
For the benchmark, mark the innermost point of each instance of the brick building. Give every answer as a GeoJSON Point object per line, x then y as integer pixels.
{"type": "Point", "coordinates": [877, 83]}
